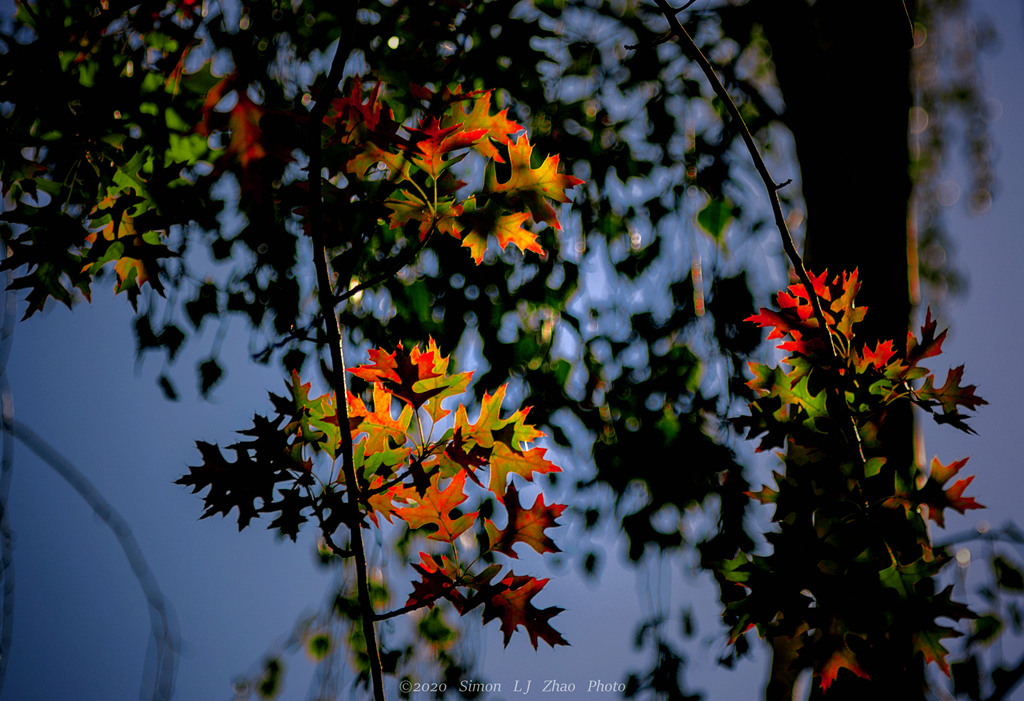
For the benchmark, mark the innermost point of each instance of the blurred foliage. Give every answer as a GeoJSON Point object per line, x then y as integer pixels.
{"type": "Point", "coordinates": [628, 338]}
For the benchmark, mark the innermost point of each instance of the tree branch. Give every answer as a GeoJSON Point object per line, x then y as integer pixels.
{"type": "Point", "coordinates": [401, 260]}
{"type": "Point", "coordinates": [335, 341]}
{"type": "Point", "coordinates": [772, 188]}
{"type": "Point", "coordinates": [411, 607]}
{"type": "Point", "coordinates": [695, 55]}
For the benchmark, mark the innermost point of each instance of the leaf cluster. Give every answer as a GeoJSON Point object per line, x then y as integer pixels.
{"type": "Point", "coordinates": [408, 468]}
{"type": "Point", "coordinates": [851, 580]}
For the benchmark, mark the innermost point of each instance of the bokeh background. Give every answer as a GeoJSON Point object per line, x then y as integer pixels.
{"type": "Point", "coordinates": [81, 624]}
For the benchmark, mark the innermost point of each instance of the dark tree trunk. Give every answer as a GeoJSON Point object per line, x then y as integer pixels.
{"type": "Point", "coordinates": [844, 72]}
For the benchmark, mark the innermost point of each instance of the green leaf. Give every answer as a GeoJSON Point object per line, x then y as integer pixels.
{"type": "Point", "coordinates": [715, 217]}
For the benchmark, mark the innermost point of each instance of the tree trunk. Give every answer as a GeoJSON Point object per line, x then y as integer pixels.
{"type": "Point", "coordinates": [844, 72]}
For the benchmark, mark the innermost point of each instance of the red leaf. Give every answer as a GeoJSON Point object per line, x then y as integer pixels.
{"type": "Point", "coordinates": [480, 224]}
{"type": "Point", "coordinates": [512, 605]}
{"type": "Point", "coordinates": [525, 525]}
{"type": "Point", "coordinates": [437, 582]}
{"type": "Point", "coordinates": [434, 142]}
{"type": "Point", "coordinates": [840, 659]}
{"type": "Point", "coordinates": [936, 499]}
{"type": "Point", "coordinates": [930, 345]}
{"type": "Point", "coordinates": [401, 372]}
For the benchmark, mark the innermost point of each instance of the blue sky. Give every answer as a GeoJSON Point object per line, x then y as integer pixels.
{"type": "Point", "coordinates": [81, 625]}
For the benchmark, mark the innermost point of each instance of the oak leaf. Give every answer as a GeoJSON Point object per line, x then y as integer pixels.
{"type": "Point", "coordinates": [524, 525]}
{"type": "Point", "coordinates": [434, 508]}
{"type": "Point", "coordinates": [534, 185]}
{"type": "Point", "coordinates": [512, 605]}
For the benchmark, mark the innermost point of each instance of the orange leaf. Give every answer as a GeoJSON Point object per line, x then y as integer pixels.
{"type": "Point", "coordinates": [434, 509]}
{"type": "Point", "coordinates": [498, 126]}
{"type": "Point", "coordinates": [380, 425]}
{"type": "Point", "coordinates": [535, 185]}
{"type": "Point", "coordinates": [402, 372]}
{"type": "Point", "coordinates": [840, 659]}
{"type": "Point", "coordinates": [507, 227]}
{"type": "Point", "coordinates": [506, 461]}
{"type": "Point", "coordinates": [435, 141]}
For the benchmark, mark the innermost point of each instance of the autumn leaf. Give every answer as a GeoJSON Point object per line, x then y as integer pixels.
{"type": "Point", "coordinates": [478, 225]}
{"type": "Point", "coordinates": [352, 118]}
{"type": "Point", "coordinates": [928, 643]}
{"type": "Point", "coordinates": [951, 394]}
{"type": "Point", "coordinates": [469, 460]}
{"type": "Point", "coordinates": [433, 142]}
{"type": "Point", "coordinates": [524, 525]}
{"type": "Point", "coordinates": [505, 461]}
{"type": "Point", "coordinates": [534, 185]}
{"type": "Point", "coordinates": [498, 126]}
{"type": "Point", "coordinates": [436, 581]}
{"type": "Point", "coordinates": [380, 426]}
{"type": "Point", "coordinates": [401, 372]}
{"type": "Point", "coordinates": [449, 386]}
{"type": "Point", "coordinates": [512, 605]}
{"type": "Point", "coordinates": [953, 498]}
{"type": "Point", "coordinates": [408, 206]}
{"type": "Point", "coordinates": [877, 358]}
{"type": "Point", "coordinates": [434, 509]}
{"type": "Point", "coordinates": [928, 346]}
{"type": "Point", "coordinates": [842, 658]}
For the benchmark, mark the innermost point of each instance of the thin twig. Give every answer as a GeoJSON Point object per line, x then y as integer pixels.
{"type": "Point", "coordinates": [411, 607]}
{"type": "Point", "coordinates": [403, 259]}
{"type": "Point", "coordinates": [772, 188]}
{"type": "Point", "coordinates": [695, 54]}
{"type": "Point", "coordinates": [336, 379]}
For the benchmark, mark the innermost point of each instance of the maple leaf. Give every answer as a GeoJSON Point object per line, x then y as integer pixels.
{"type": "Point", "coordinates": [382, 500]}
{"type": "Point", "coordinates": [408, 206]}
{"type": "Point", "coordinates": [877, 358]}
{"type": "Point", "coordinates": [534, 185]}
{"type": "Point", "coordinates": [935, 497]}
{"type": "Point", "coordinates": [498, 126]}
{"type": "Point", "coordinates": [524, 525]}
{"type": "Point", "coordinates": [505, 461]}
{"type": "Point", "coordinates": [448, 386]}
{"type": "Point", "coordinates": [928, 346]}
{"type": "Point", "coordinates": [927, 642]}
{"type": "Point", "coordinates": [434, 508]}
{"type": "Point", "coordinates": [246, 480]}
{"type": "Point", "coordinates": [352, 118]}
{"type": "Point", "coordinates": [951, 394]}
{"type": "Point", "coordinates": [512, 605]}
{"type": "Point", "coordinates": [455, 453]}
